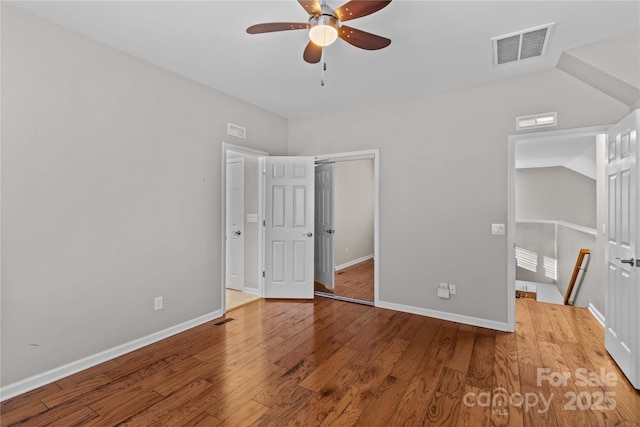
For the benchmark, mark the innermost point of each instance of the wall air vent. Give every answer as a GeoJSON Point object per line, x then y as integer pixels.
{"type": "Point", "coordinates": [537, 121]}
{"type": "Point", "coordinates": [237, 131]}
{"type": "Point", "coordinates": [521, 45]}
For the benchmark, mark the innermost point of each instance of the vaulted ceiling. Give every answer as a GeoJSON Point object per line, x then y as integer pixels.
{"type": "Point", "coordinates": [436, 45]}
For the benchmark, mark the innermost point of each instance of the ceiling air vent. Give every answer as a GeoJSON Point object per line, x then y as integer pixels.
{"type": "Point", "coordinates": [237, 131]}
{"type": "Point", "coordinates": [521, 45]}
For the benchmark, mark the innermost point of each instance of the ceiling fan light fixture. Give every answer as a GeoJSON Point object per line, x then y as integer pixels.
{"type": "Point", "coordinates": [323, 29]}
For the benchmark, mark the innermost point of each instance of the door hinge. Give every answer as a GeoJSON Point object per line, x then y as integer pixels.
{"type": "Point", "coordinates": [264, 222]}
{"type": "Point", "coordinates": [264, 274]}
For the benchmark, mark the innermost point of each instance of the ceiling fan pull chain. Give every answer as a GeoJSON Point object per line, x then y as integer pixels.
{"type": "Point", "coordinates": [324, 67]}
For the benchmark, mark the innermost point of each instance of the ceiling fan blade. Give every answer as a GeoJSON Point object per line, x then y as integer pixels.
{"type": "Point", "coordinates": [270, 27]}
{"type": "Point", "coordinates": [359, 8]}
{"type": "Point", "coordinates": [312, 53]}
{"type": "Point", "coordinates": [362, 39]}
{"type": "Point", "coordinates": [311, 6]}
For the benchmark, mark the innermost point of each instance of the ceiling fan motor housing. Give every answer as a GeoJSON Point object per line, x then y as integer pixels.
{"type": "Point", "coordinates": [323, 29]}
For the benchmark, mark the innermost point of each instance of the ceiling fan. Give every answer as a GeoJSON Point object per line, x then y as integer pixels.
{"type": "Point", "coordinates": [325, 26]}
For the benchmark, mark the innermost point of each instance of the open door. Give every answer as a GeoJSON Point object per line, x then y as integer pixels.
{"type": "Point", "coordinates": [289, 212]}
{"type": "Point", "coordinates": [324, 225]}
{"type": "Point", "coordinates": [235, 224]}
{"type": "Point", "coordinates": [622, 297]}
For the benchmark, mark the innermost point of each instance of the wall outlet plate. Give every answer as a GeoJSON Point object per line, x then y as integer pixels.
{"type": "Point", "coordinates": [157, 303]}
{"type": "Point", "coordinates": [452, 289]}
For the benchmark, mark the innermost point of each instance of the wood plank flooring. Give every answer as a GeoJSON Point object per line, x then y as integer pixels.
{"type": "Point", "coordinates": [332, 363]}
{"type": "Point", "coordinates": [237, 299]}
{"type": "Point", "coordinates": [355, 282]}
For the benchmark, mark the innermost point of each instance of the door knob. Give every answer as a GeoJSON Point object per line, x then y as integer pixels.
{"type": "Point", "coordinates": [309, 234]}
{"type": "Point", "coordinates": [237, 233]}
{"type": "Point", "coordinates": [630, 261]}
{"type": "Point", "coordinates": [330, 231]}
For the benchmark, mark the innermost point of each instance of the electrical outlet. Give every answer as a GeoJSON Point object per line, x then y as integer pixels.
{"type": "Point", "coordinates": [443, 293]}
{"type": "Point", "coordinates": [452, 289]}
{"type": "Point", "coordinates": [346, 250]}
{"type": "Point", "coordinates": [157, 303]}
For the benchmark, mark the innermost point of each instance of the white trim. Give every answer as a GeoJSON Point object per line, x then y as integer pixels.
{"type": "Point", "coordinates": [242, 149]}
{"type": "Point", "coordinates": [253, 291]}
{"type": "Point", "coordinates": [353, 262]}
{"type": "Point", "coordinates": [63, 371]}
{"type": "Point", "coordinates": [576, 227]}
{"type": "Point", "coordinates": [352, 155]}
{"type": "Point", "coordinates": [511, 239]}
{"type": "Point", "coordinates": [452, 317]}
{"type": "Point", "coordinates": [599, 317]}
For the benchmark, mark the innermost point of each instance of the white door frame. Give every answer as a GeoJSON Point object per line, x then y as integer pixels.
{"type": "Point", "coordinates": [223, 224]}
{"type": "Point", "coordinates": [511, 200]}
{"type": "Point", "coordinates": [361, 155]}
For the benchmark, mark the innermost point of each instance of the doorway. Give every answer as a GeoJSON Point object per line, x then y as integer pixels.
{"type": "Point", "coordinates": [235, 230]}
{"type": "Point", "coordinates": [345, 261]}
{"type": "Point", "coordinates": [546, 261]}
{"type": "Point", "coordinates": [229, 151]}
{"type": "Point", "coordinates": [242, 235]}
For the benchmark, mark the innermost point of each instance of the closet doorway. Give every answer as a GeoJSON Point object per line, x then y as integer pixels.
{"type": "Point", "coordinates": [345, 228]}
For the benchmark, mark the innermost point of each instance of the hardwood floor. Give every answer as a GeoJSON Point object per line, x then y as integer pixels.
{"type": "Point", "coordinates": [328, 362]}
{"type": "Point", "coordinates": [355, 282]}
{"type": "Point", "coordinates": [235, 299]}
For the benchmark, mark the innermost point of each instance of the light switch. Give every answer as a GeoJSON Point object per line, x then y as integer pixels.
{"type": "Point", "coordinates": [497, 229]}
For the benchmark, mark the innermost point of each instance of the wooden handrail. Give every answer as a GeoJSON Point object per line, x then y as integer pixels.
{"type": "Point", "coordinates": [574, 276]}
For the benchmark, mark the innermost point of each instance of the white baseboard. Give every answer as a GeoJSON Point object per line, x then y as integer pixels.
{"type": "Point", "coordinates": [28, 384]}
{"type": "Point", "coordinates": [252, 291]}
{"type": "Point", "coordinates": [353, 262]}
{"type": "Point", "coordinates": [599, 317]}
{"type": "Point", "coordinates": [452, 317]}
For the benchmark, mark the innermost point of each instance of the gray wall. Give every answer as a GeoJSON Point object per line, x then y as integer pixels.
{"type": "Point", "coordinates": [556, 194]}
{"type": "Point", "coordinates": [443, 175]}
{"type": "Point", "coordinates": [559, 194]}
{"type": "Point", "coordinates": [111, 176]}
{"type": "Point", "coordinates": [251, 202]}
{"type": "Point", "coordinates": [354, 210]}
{"type": "Point", "coordinates": [541, 240]}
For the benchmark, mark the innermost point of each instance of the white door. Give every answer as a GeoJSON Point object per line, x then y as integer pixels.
{"type": "Point", "coordinates": [289, 212]}
{"type": "Point", "coordinates": [324, 225]}
{"type": "Point", "coordinates": [235, 224]}
{"type": "Point", "coordinates": [622, 297]}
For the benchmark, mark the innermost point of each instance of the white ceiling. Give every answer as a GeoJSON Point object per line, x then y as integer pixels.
{"type": "Point", "coordinates": [436, 45]}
